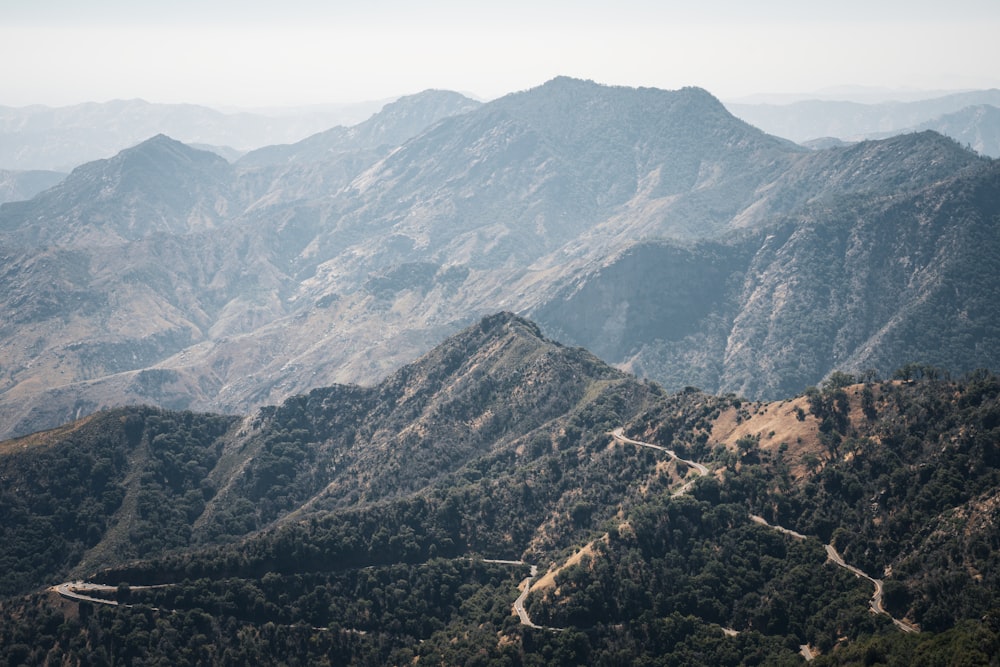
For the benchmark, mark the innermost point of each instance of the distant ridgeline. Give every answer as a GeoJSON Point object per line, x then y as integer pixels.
{"type": "Point", "coordinates": [394, 523]}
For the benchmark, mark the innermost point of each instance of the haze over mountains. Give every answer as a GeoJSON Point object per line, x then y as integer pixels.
{"type": "Point", "coordinates": [583, 375]}
{"type": "Point", "coordinates": [650, 226]}
{"type": "Point", "coordinates": [61, 138]}
{"type": "Point", "coordinates": [20, 185]}
{"type": "Point", "coordinates": [971, 118]}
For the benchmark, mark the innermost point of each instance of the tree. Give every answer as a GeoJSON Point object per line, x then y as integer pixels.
{"type": "Point", "coordinates": [838, 380]}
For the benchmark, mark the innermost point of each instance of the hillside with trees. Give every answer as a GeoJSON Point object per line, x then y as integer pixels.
{"type": "Point", "coordinates": [398, 522]}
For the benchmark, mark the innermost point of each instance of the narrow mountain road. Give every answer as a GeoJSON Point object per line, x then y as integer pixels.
{"type": "Point", "coordinates": [77, 590]}
{"type": "Point", "coordinates": [875, 603]}
{"type": "Point", "coordinates": [831, 552]}
{"type": "Point", "coordinates": [619, 435]}
{"type": "Point", "coordinates": [781, 529]}
{"type": "Point", "coordinates": [525, 587]}
{"type": "Point", "coordinates": [519, 609]}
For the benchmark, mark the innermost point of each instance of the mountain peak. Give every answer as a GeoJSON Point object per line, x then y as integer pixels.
{"type": "Point", "coordinates": [159, 185]}
{"type": "Point", "coordinates": [584, 110]}
{"type": "Point", "coordinates": [394, 124]}
{"type": "Point", "coordinates": [506, 320]}
{"type": "Point", "coordinates": [162, 146]}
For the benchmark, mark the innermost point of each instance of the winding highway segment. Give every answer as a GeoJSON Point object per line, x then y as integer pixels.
{"type": "Point", "coordinates": [77, 590]}
{"type": "Point", "coordinates": [875, 603]}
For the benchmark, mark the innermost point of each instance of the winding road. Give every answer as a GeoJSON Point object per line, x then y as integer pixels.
{"type": "Point", "coordinates": [875, 603]}
{"type": "Point", "coordinates": [834, 556]}
{"type": "Point", "coordinates": [519, 609]}
{"type": "Point", "coordinates": [78, 590]}
{"type": "Point", "coordinates": [619, 435]}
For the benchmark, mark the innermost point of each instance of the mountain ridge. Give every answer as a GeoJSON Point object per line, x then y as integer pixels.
{"type": "Point", "coordinates": [347, 269]}
{"type": "Point", "coordinates": [810, 119]}
{"type": "Point", "coordinates": [63, 138]}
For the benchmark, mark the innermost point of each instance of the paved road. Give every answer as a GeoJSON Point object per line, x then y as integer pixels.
{"type": "Point", "coordinates": [876, 601]}
{"type": "Point", "coordinates": [77, 590]}
{"type": "Point", "coordinates": [525, 587]}
{"type": "Point", "coordinates": [519, 609]}
{"type": "Point", "coordinates": [831, 552]}
{"type": "Point", "coordinates": [619, 435]}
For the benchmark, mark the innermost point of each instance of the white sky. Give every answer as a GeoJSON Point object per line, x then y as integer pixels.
{"type": "Point", "coordinates": [295, 52]}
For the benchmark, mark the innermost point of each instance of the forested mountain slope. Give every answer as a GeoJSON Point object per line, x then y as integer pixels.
{"type": "Point", "coordinates": [386, 524]}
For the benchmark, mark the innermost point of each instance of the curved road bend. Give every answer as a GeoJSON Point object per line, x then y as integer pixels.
{"type": "Point", "coordinates": [522, 613]}
{"type": "Point", "coordinates": [525, 587]}
{"type": "Point", "coordinates": [619, 435]}
{"type": "Point", "coordinates": [833, 555]}
{"type": "Point", "coordinates": [831, 552]}
{"type": "Point", "coordinates": [76, 590]}
{"type": "Point", "coordinates": [876, 601]}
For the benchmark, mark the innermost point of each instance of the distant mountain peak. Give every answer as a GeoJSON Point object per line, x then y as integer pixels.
{"type": "Point", "coordinates": [159, 185]}
{"type": "Point", "coordinates": [394, 124]}
{"type": "Point", "coordinates": [164, 145]}
{"type": "Point", "coordinates": [571, 83]}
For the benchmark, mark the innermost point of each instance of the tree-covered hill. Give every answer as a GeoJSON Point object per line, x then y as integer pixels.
{"type": "Point", "coordinates": [396, 523]}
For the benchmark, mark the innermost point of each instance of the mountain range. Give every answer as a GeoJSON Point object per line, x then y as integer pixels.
{"type": "Point", "coordinates": [398, 522]}
{"type": "Point", "coordinates": [651, 227]}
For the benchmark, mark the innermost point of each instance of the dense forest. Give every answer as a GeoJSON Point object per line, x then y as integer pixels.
{"type": "Point", "coordinates": [399, 523]}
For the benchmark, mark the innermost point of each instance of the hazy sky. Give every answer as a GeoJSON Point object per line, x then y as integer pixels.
{"type": "Point", "coordinates": [294, 52]}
